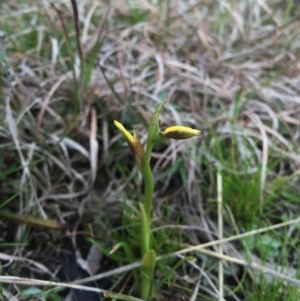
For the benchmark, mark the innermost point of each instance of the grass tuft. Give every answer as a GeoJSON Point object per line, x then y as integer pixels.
{"type": "Point", "coordinates": [230, 69]}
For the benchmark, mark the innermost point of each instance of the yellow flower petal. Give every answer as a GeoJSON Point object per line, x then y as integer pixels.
{"type": "Point", "coordinates": [179, 132]}
{"type": "Point", "coordinates": [134, 143]}
{"type": "Point", "coordinates": [129, 138]}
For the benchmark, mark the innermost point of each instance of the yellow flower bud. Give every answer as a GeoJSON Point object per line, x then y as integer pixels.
{"type": "Point", "coordinates": [179, 132]}
{"type": "Point", "coordinates": [134, 143]}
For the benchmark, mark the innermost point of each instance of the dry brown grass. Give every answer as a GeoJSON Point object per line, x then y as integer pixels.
{"type": "Point", "coordinates": [231, 69]}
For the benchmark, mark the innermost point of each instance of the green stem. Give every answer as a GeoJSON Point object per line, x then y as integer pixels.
{"type": "Point", "coordinates": [148, 151]}
{"type": "Point", "coordinates": [145, 235]}
{"type": "Point", "coordinates": [149, 187]}
{"type": "Point", "coordinates": [148, 262]}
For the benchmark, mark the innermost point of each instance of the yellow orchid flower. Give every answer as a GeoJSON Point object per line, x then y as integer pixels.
{"type": "Point", "coordinates": [133, 142]}
{"type": "Point", "coordinates": [179, 132]}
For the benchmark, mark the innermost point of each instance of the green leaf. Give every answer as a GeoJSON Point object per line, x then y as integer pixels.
{"type": "Point", "coordinates": [147, 270]}
{"type": "Point", "coordinates": [153, 129]}
{"type": "Point", "coordinates": [31, 291]}
{"type": "Point", "coordinates": [50, 295]}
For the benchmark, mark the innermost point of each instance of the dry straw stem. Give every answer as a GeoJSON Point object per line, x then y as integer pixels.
{"type": "Point", "coordinates": [232, 66]}
{"type": "Point", "coordinates": [201, 248]}
{"type": "Point", "coordinates": [94, 146]}
{"type": "Point", "coordinates": [253, 266]}
{"type": "Point", "coordinates": [29, 262]}
{"type": "Point", "coordinates": [203, 273]}
{"type": "Point", "coordinates": [37, 282]}
{"type": "Point", "coordinates": [210, 244]}
{"type": "Point", "coordinates": [220, 228]}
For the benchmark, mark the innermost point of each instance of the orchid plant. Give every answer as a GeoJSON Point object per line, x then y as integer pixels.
{"type": "Point", "coordinates": [142, 158]}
